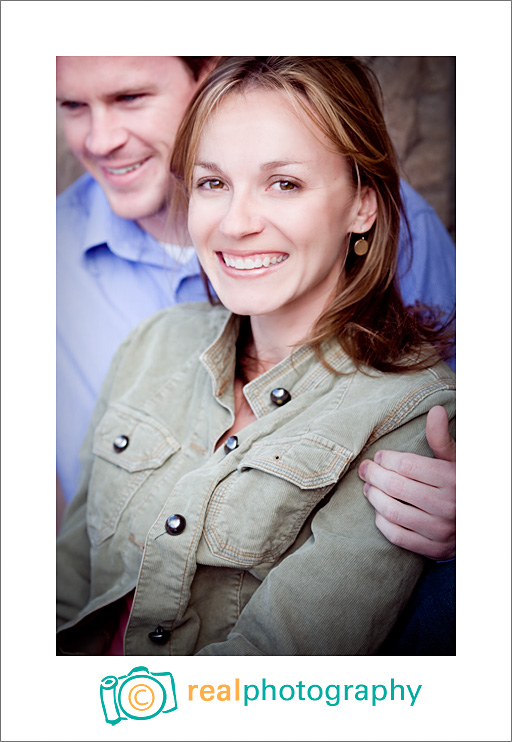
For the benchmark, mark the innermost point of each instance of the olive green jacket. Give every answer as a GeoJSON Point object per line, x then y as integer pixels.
{"type": "Point", "coordinates": [280, 554]}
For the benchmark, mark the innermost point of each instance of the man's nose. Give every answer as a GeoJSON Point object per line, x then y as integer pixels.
{"type": "Point", "coordinates": [106, 133]}
{"type": "Point", "coordinates": [243, 217]}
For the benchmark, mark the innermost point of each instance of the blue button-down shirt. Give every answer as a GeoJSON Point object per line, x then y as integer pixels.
{"type": "Point", "coordinates": [430, 278]}
{"type": "Point", "coordinates": [111, 275]}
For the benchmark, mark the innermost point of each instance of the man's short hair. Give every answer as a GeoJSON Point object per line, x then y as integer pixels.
{"type": "Point", "coordinates": [196, 64]}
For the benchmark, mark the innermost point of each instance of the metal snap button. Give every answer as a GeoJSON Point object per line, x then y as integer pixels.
{"type": "Point", "coordinates": [159, 635]}
{"type": "Point", "coordinates": [280, 396]}
{"type": "Point", "coordinates": [175, 524]}
{"type": "Point", "coordinates": [120, 443]}
{"type": "Point", "coordinates": [231, 444]}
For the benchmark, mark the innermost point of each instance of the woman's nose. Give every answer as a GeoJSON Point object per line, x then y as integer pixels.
{"type": "Point", "coordinates": [242, 219]}
{"type": "Point", "coordinates": [106, 134]}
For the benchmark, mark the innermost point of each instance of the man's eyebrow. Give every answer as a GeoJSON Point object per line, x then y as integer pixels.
{"type": "Point", "coordinates": [131, 90]}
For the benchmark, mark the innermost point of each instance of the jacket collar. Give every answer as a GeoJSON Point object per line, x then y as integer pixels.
{"type": "Point", "coordinates": [298, 373]}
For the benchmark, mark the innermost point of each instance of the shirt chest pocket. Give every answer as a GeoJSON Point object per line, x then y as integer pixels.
{"type": "Point", "coordinates": [128, 447]}
{"type": "Point", "coordinates": [256, 513]}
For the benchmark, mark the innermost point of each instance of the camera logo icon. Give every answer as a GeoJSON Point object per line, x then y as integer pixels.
{"type": "Point", "coordinates": [139, 695]}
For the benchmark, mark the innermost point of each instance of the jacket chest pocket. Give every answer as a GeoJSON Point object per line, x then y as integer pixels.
{"type": "Point", "coordinates": [128, 447]}
{"type": "Point", "coordinates": [256, 513]}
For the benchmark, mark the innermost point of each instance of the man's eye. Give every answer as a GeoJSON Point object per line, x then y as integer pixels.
{"type": "Point", "coordinates": [70, 105]}
{"type": "Point", "coordinates": [130, 98]}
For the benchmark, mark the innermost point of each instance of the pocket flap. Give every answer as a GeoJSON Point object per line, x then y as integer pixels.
{"type": "Point", "coordinates": [309, 461]}
{"type": "Point", "coordinates": [147, 443]}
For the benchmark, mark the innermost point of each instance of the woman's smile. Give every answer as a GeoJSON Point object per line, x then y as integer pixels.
{"type": "Point", "coordinates": [252, 262]}
{"type": "Point", "coordinates": [271, 207]}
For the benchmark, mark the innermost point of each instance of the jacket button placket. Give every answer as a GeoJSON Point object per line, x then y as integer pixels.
{"type": "Point", "coordinates": [280, 396]}
{"type": "Point", "coordinates": [231, 444]}
{"type": "Point", "coordinates": [175, 524]}
{"type": "Point", "coordinates": [169, 563]}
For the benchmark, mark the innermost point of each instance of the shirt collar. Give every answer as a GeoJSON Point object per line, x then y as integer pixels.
{"type": "Point", "coordinates": [125, 238]}
{"type": "Point", "coordinates": [299, 372]}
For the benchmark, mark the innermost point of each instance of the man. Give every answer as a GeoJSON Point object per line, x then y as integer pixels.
{"type": "Point", "coordinates": [119, 260]}
{"type": "Point", "coordinates": [120, 116]}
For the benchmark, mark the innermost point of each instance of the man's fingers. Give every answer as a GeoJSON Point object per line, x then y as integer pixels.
{"type": "Point", "coordinates": [414, 496]}
{"type": "Point", "coordinates": [417, 480]}
{"type": "Point", "coordinates": [413, 541]}
{"type": "Point", "coordinates": [438, 434]}
{"type": "Point", "coordinates": [432, 527]}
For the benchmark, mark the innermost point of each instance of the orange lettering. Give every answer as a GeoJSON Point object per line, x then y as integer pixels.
{"type": "Point", "coordinates": [207, 689]}
{"type": "Point", "coordinates": [224, 695]}
{"type": "Point", "coordinates": [190, 690]}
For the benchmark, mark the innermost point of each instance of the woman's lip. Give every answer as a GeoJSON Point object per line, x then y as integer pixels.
{"type": "Point", "coordinates": [253, 261]}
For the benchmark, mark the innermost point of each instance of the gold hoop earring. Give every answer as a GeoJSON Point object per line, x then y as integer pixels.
{"type": "Point", "coordinates": [361, 247]}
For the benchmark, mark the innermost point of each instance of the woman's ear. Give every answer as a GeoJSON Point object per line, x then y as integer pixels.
{"type": "Point", "coordinates": [367, 212]}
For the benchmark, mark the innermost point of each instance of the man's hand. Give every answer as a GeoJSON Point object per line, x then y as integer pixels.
{"type": "Point", "coordinates": [414, 496]}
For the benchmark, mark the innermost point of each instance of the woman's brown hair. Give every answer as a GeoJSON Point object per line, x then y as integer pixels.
{"type": "Point", "coordinates": [342, 97]}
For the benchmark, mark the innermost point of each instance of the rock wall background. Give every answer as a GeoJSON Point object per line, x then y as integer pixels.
{"type": "Point", "coordinates": [419, 106]}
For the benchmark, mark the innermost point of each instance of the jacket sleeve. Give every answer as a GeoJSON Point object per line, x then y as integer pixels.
{"type": "Point", "coordinates": [341, 591]}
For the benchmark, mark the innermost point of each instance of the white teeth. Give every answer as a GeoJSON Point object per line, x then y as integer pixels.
{"type": "Point", "coordinates": [123, 170]}
{"type": "Point", "coordinates": [247, 264]}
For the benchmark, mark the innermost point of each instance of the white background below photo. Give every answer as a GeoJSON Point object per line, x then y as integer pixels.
{"type": "Point", "coordinates": [466, 697]}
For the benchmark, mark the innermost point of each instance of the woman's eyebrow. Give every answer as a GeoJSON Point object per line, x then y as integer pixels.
{"type": "Point", "coordinates": [274, 164]}
{"type": "Point", "coordinates": [207, 165]}
{"type": "Point", "coordinates": [280, 163]}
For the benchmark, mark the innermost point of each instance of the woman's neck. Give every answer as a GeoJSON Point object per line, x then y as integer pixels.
{"type": "Point", "coordinates": [264, 342]}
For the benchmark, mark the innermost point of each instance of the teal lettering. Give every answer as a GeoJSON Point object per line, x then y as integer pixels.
{"type": "Point", "coordinates": [393, 687]}
{"type": "Point", "coordinates": [336, 699]}
{"type": "Point", "coordinates": [346, 691]}
{"type": "Point", "coordinates": [300, 686]}
{"type": "Point", "coordinates": [246, 693]}
{"type": "Point", "coordinates": [264, 687]}
{"type": "Point", "coordinates": [375, 697]}
{"type": "Point", "coordinates": [363, 693]}
{"type": "Point", "coordinates": [309, 693]}
{"type": "Point", "coordinates": [281, 692]}
{"type": "Point", "coordinates": [414, 697]}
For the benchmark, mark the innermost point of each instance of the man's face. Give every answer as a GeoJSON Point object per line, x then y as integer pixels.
{"type": "Point", "coordinates": [120, 116]}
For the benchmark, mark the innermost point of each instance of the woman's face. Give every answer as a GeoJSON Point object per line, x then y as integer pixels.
{"type": "Point", "coordinates": [270, 209]}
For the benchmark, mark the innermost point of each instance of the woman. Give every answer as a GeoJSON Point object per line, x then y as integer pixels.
{"type": "Point", "coordinates": [220, 506]}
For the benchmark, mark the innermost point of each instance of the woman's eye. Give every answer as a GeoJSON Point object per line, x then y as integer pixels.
{"type": "Point", "coordinates": [212, 184]}
{"type": "Point", "coordinates": [284, 185]}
